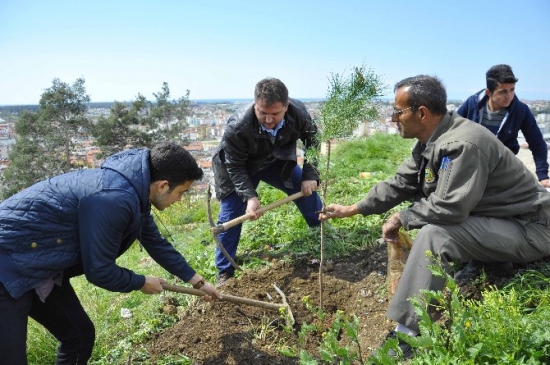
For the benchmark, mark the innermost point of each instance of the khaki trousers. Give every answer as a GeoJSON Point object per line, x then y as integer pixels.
{"type": "Point", "coordinates": [479, 238]}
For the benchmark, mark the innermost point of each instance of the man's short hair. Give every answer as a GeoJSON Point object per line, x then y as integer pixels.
{"type": "Point", "coordinates": [169, 161]}
{"type": "Point", "coordinates": [270, 91]}
{"type": "Point", "coordinates": [425, 91]}
{"type": "Point", "coordinates": [499, 74]}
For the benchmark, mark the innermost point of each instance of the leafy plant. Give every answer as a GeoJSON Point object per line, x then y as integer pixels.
{"type": "Point", "coordinates": [348, 103]}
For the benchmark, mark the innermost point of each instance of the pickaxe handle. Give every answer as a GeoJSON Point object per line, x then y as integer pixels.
{"type": "Point", "coordinates": [225, 297]}
{"type": "Point", "coordinates": [232, 223]}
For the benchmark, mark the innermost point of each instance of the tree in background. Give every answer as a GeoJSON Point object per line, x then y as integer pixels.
{"type": "Point", "coordinates": [167, 118]}
{"type": "Point", "coordinates": [46, 139]}
{"type": "Point", "coordinates": [123, 128]}
{"type": "Point", "coordinates": [143, 123]}
{"type": "Point", "coordinates": [63, 107]}
{"type": "Point", "coordinates": [26, 156]}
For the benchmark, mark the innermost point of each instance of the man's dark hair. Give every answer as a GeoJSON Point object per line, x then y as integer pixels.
{"type": "Point", "coordinates": [270, 91]}
{"type": "Point", "coordinates": [169, 161]}
{"type": "Point", "coordinates": [425, 91]}
{"type": "Point", "coordinates": [499, 74]}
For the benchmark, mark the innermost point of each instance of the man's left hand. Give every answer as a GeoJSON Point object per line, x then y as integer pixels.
{"type": "Point", "coordinates": [545, 183]}
{"type": "Point", "coordinates": [390, 229]}
{"type": "Point", "coordinates": [308, 187]}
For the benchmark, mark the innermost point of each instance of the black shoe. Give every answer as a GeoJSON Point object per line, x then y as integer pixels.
{"type": "Point", "coordinates": [473, 269]}
{"type": "Point", "coordinates": [498, 268]}
{"type": "Point", "coordinates": [222, 278]}
{"type": "Point", "coordinates": [469, 272]}
{"type": "Point", "coordinates": [405, 348]}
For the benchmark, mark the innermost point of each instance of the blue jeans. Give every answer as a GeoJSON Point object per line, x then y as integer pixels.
{"type": "Point", "coordinates": [62, 315]}
{"type": "Point", "coordinates": [232, 207]}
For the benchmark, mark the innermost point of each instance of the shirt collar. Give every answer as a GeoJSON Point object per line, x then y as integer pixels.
{"type": "Point", "coordinates": [273, 132]}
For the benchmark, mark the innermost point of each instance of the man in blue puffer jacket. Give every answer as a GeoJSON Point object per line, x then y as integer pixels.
{"type": "Point", "coordinates": [80, 222]}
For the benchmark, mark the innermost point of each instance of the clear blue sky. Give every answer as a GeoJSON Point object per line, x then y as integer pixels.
{"type": "Point", "coordinates": [221, 48]}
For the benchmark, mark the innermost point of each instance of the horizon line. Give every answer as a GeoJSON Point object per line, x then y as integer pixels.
{"type": "Point", "coordinates": [213, 100]}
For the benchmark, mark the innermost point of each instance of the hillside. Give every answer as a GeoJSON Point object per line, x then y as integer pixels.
{"type": "Point", "coordinates": [354, 287]}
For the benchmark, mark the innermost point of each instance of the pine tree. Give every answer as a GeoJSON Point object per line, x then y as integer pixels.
{"type": "Point", "coordinates": [45, 139]}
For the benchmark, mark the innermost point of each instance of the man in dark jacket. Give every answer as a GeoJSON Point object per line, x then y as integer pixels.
{"type": "Point", "coordinates": [80, 222]}
{"type": "Point", "coordinates": [259, 144]}
{"type": "Point", "coordinates": [498, 109]}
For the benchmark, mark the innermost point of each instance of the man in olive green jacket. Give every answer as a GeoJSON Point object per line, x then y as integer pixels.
{"type": "Point", "coordinates": [471, 198]}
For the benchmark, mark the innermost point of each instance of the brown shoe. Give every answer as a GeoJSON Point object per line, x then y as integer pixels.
{"type": "Point", "coordinates": [222, 278]}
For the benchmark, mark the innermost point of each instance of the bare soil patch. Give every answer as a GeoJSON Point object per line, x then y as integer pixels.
{"type": "Point", "coordinates": [225, 333]}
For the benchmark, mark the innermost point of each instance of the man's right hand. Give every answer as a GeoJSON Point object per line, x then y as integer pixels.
{"type": "Point", "coordinates": [212, 292]}
{"type": "Point", "coordinates": [152, 285]}
{"type": "Point", "coordinates": [251, 207]}
{"type": "Point", "coordinates": [338, 211]}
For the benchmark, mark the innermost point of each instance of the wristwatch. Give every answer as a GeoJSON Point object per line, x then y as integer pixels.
{"type": "Point", "coordinates": [199, 284]}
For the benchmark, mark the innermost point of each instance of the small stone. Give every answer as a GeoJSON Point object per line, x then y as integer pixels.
{"type": "Point", "coordinates": [125, 313]}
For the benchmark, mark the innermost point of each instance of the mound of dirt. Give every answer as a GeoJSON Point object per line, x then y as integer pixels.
{"type": "Point", "coordinates": [225, 333]}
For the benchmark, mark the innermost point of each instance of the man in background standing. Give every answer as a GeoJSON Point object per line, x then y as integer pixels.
{"type": "Point", "coordinates": [498, 109]}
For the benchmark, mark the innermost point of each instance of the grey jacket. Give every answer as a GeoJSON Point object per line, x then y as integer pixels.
{"type": "Point", "coordinates": [464, 170]}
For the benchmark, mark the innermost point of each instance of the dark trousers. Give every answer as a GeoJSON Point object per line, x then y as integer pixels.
{"type": "Point", "coordinates": [62, 315]}
{"type": "Point", "coordinates": [232, 207]}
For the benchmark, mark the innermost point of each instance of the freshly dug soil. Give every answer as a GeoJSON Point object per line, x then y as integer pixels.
{"type": "Point", "coordinates": [225, 333]}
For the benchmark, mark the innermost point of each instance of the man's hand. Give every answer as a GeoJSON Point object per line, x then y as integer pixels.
{"type": "Point", "coordinates": [208, 288]}
{"type": "Point", "coordinates": [338, 211]}
{"type": "Point", "coordinates": [309, 186]}
{"type": "Point", "coordinates": [390, 229]}
{"type": "Point", "coordinates": [251, 207]}
{"type": "Point", "coordinates": [152, 285]}
{"type": "Point", "coordinates": [545, 183]}
{"type": "Point", "coordinates": [212, 292]}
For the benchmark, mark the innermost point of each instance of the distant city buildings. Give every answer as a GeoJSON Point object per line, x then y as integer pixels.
{"type": "Point", "coordinates": [206, 125]}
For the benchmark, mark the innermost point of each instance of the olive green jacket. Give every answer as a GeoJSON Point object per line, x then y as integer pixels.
{"type": "Point", "coordinates": [464, 170]}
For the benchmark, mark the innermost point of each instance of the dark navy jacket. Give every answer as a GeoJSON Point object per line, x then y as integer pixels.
{"type": "Point", "coordinates": [519, 117]}
{"type": "Point", "coordinates": [83, 221]}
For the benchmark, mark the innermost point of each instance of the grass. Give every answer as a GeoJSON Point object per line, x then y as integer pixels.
{"type": "Point", "coordinates": [509, 326]}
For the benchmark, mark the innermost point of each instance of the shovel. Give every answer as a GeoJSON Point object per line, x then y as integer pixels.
{"type": "Point", "coordinates": [238, 300]}
{"type": "Point", "coordinates": [232, 223]}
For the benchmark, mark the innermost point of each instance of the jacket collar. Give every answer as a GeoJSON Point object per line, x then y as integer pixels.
{"type": "Point", "coordinates": [482, 99]}
{"type": "Point", "coordinates": [441, 128]}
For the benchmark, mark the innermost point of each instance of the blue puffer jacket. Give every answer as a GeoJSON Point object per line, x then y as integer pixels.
{"type": "Point", "coordinates": [83, 221]}
{"type": "Point", "coordinates": [519, 117]}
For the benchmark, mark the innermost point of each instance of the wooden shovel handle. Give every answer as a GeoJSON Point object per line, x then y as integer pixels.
{"type": "Point", "coordinates": [232, 223]}
{"type": "Point", "coordinates": [225, 297]}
